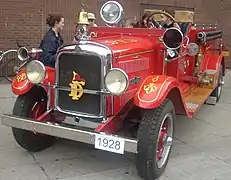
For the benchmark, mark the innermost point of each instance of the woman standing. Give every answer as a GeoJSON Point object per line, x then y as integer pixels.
{"type": "Point", "coordinates": [52, 40]}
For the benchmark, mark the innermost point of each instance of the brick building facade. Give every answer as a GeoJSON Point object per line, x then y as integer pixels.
{"type": "Point", "coordinates": [25, 19]}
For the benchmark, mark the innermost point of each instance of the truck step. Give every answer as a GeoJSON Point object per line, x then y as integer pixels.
{"type": "Point", "coordinates": [196, 98]}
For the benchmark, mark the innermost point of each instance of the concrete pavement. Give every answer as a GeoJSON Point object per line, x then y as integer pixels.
{"type": "Point", "coordinates": [201, 151]}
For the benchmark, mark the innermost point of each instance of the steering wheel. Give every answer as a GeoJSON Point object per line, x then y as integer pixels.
{"type": "Point", "coordinates": [153, 23]}
{"type": "Point", "coordinates": [151, 19]}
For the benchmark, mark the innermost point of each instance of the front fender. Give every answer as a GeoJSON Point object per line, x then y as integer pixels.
{"type": "Point", "coordinates": [21, 85]}
{"type": "Point", "coordinates": [154, 90]}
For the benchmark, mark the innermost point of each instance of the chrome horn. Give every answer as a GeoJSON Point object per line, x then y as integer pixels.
{"type": "Point", "coordinates": [23, 54]}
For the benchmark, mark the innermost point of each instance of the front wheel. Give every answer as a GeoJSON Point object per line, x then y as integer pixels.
{"type": "Point", "coordinates": [155, 136]}
{"type": "Point", "coordinates": [32, 104]}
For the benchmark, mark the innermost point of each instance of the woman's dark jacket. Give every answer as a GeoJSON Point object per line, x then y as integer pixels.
{"type": "Point", "coordinates": [50, 45]}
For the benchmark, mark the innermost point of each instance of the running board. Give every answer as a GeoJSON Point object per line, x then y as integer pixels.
{"type": "Point", "coordinates": [59, 130]}
{"type": "Point", "coordinates": [196, 98]}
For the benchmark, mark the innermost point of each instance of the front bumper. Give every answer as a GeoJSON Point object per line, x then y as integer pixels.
{"type": "Point", "coordinates": [74, 133]}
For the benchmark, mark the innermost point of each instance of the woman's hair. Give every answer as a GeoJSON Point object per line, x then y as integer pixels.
{"type": "Point", "coordinates": [53, 18]}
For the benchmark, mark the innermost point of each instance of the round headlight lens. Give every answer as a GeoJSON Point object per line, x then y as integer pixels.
{"type": "Point", "coordinates": [111, 12]}
{"type": "Point", "coordinates": [116, 81]}
{"type": "Point", "coordinates": [35, 71]}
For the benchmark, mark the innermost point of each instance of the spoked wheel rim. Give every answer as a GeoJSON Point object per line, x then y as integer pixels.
{"type": "Point", "coordinates": [165, 138]}
{"type": "Point", "coordinates": [37, 110]}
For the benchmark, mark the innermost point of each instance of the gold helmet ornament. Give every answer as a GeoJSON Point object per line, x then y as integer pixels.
{"type": "Point", "coordinates": [82, 26]}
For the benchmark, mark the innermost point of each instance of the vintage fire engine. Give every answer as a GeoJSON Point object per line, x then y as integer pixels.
{"type": "Point", "coordinates": [119, 88]}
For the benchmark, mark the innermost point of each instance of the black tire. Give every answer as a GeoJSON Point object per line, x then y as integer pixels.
{"type": "Point", "coordinates": [218, 91]}
{"type": "Point", "coordinates": [22, 107]}
{"type": "Point", "coordinates": [148, 133]}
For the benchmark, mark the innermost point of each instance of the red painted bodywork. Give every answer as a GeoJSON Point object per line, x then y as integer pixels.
{"type": "Point", "coordinates": [21, 87]}
{"type": "Point", "coordinates": [140, 53]}
{"type": "Point", "coordinates": [25, 85]}
{"type": "Point", "coordinates": [172, 82]}
{"type": "Point", "coordinates": [163, 84]}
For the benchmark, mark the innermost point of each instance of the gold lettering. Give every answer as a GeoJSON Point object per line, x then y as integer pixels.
{"type": "Point", "coordinates": [74, 75]}
{"type": "Point", "coordinates": [151, 87]}
{"type": "Point", "coordinates": [76, 89]}
{"type": "Point", "coordinates": [21, 77]}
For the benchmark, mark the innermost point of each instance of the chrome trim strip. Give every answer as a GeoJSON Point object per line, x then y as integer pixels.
{"type": "Point", "coordinates": [81, 114]}
{"type": "Point", "coordinates": [58, 130]}
{"type": "Point", "coordinates": [48, 96]}
{"type": "Point", "coordinates": [105, 54]}
{"type": "Point", "coordinates": [88, 91]}
{"type": "Point", "coordinates": [78, 114]}
{"type": "Point", "coordinates": [137, 53]}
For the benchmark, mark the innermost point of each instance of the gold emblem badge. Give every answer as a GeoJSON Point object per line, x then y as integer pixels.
{"type": "Point", "coordinates": [151, 87]}
{"type": "Point", "coordinates": [76, 86]}
{"type": "Point", "coordinates": [21, 77]}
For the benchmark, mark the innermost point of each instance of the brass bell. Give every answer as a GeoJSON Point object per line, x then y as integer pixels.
{"type": "Point", "coordinates": [83, 17]}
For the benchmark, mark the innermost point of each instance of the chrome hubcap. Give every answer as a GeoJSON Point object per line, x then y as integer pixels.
{"type": "Point", "coordinates": [168, 141]}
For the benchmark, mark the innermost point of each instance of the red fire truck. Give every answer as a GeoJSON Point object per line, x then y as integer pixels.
{"type": "Point", "coordinates": [128, 84]}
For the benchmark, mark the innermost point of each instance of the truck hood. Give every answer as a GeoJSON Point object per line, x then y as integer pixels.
{"type": "Point", "coordinates": [128, 44]}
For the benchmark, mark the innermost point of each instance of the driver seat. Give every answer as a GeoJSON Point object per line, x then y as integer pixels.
{"type": "Point", "coordinates": [184, 18]}
{"type": "Point", "coordinates": [184, 26]}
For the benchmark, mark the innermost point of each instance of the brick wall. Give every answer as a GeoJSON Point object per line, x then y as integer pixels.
{"type": "Point", "coordinates": [25, 19]}
{"type": "Point", "coordinates": [22, 21]}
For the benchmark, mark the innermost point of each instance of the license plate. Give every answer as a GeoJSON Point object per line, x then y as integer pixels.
{"type": "Point", "coordinates": [109, 143]}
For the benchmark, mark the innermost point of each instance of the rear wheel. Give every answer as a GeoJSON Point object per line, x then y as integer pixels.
{"type": "Point", "coordinates": [155, 136]}
{"type": "Point", "coordinates": [32, 104]}
{"type": "Point", "coordinates": [218, 91]}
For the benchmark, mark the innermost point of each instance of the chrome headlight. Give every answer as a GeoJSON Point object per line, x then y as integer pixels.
{"type": "Point", "coordinates": [35, 71]}
{"type": "Point", "coordinates": [116, 81]}
{"type": "Point", "coordinates": [111, 12]}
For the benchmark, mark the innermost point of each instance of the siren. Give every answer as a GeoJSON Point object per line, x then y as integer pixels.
{"type": "Point", "coordinates": [172, 38]}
